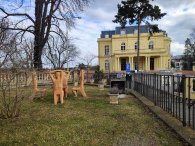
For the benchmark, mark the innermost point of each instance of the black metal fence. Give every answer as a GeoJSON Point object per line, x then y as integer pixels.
{"type": "Point", "coordinates": [173, 93]}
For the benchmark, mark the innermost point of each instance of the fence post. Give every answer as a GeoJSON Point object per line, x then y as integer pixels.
{"type": "Point", "coordinates": [153, 88]}
{"type": "Point", "coordinates": [184, 99]}
{"type": "Point", "coordinates": [141, 83]}
{"type": "Point", "coordinates": [173, 95]}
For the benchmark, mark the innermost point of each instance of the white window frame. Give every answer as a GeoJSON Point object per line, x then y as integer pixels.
{"type": "Point", "coordinates": [107, 65]}
{"type": "Point", "coordinates": [107, 36]}
{"type": "Point", "coordinates": [123, 46]}
{"type": "Point", "coordinates": [177, 64]}
{"type": "Point", "coordinates": [123, 31]}
{"type": "Point", "coordinates": [107, 50]}
{"type": "Point", "coordinates": [135, 31]}
{"type": "Point", "coordinates": [151, 45]}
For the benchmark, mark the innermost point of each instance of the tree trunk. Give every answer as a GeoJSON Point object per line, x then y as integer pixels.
{"type": "Point", "coordinates": [37, 57]}
{"type": "Point", "coordinates": [38, 40]}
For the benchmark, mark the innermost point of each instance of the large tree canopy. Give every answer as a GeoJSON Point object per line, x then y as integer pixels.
{"type": "Point", "coordinates": [138, 11]}
{"type": "Point", "coordinates": [45, 19]}
{"type": "Point", "coordinates": [132, 11]}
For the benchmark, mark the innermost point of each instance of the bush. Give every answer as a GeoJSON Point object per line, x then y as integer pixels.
{"type": "Point", "coordinates": [12, 93]}
{"type": "Point", "coordinates": [98, 76]}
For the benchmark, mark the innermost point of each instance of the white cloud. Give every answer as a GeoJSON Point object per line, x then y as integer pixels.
{"type": "Point", "coordinates": [178, 22]}
{"type": "Point", "coordinates": [177, 48]}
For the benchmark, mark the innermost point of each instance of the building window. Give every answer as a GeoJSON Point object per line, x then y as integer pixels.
{"type": "Point", "coordinates": [106, 65]}
{"type": "Point", "coordinates": [169, 47]}
{"type": "Point", "coordinates": [106, 36]}
{"type": "Point", "coordinates": [107, 50]}
{"type": "Point", "coordinates": [151, 45]}
{"type": "Point", "coordinates": [177, 64]}
{"type": "Point", "coordinates": [122, 46]}
{"type": "Point", "coordinates": [193, 85]}
{"type": "Point", "coordinates": [123, 31]}
{"type": "Point", "coordinates": [135, 31]}
{"type": "Point", "coordinates": [136, 45]}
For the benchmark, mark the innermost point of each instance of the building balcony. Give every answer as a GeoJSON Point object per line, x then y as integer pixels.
{"type": "Point", "coordinates": [144, 51]}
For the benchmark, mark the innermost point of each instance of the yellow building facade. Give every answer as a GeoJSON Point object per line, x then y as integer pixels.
{"type": "Point", "coordinates": [118, 47]}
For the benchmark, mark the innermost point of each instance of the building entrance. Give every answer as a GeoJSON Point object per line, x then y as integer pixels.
{"type": "Point", "coordinates": [123, 64]}
{"type": "Point", "coordinates": [151, 63]}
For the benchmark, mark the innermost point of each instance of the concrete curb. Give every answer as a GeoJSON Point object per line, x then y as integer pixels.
{"type": "Point", "coordinates": [185, 132]}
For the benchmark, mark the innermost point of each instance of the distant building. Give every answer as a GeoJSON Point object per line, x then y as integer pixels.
{"type": "Point", "coordinates": [178, 62]}
{"type": "Point", "coordinates": [118, 47]}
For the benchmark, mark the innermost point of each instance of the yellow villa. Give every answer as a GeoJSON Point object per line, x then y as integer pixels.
{"type": "Point", "coordinates": [118, 47]}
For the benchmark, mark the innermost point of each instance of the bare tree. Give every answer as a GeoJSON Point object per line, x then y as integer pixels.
{"type": "Point", "coordinates": [48, 15]}
{"type": "Point", "coordinates": [7, 43]}
{"type": "Point", "coordinates": [60, 50]}
{"type": "Point", "coordinates": [12, 93]}
{"type": "Point", "coordinates": [26, 53]}
{"type": "Point", "coordinates": [88, 59]}
{"type": "Point", "coordinates": [189, 52]}
{"type": "Point", "coordinates": [14, 54]}
{"type": "Point", "coordinates": [22, 56]}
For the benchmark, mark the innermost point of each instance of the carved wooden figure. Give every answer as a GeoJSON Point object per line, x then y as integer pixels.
{"type": "Point", "coordinates": [66, 75]}
{"type": "Point", "coordinates": [81, 86]}
{"type": "Point", "coordinates": [58, 92]}
{"type": "Point", "coordinates": [35, 89]}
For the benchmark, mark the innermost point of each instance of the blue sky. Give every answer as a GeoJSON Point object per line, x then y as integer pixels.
{"type": "Point", "coordinates": [179, 22]}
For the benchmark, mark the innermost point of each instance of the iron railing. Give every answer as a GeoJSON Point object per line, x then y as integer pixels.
{"type": "Point", "coordinates": [173, 93]}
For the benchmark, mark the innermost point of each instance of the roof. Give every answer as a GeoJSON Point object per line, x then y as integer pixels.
{"type": "Point", "coordinates": [131, 29]}
{"type": "Point", "coordinates": [110, 33]}
{"type": "Point", "coordinates": [127, 29]}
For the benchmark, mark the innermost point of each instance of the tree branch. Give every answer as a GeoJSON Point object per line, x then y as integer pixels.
{"type": "Point", "coordinates": [17, 14]}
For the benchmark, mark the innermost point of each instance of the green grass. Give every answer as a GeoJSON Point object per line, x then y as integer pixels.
{"type": "Point", "coordinates": [79, 121]}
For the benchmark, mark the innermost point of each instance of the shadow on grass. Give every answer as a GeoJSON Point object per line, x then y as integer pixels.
{"type": "Point", "coordinates": [85, 121]}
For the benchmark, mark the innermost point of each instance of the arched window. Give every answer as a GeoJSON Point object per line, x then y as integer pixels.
{"type": "Point", "coordinates": [122, 46]}
{"type": "Point", "coordinates": [151, 45]}
{"type": "Point", "coordinates": [135, 31]}
{"type": "Point", "coordinates": [136, 45]}
{"type": "Point", "coordinates": [107, 50]}
{"type": "Point", "coordinates": [107, 36]}
{"type": "Point", "coordinates": [123, 31]}
{"type": "Point", "coordinates": [106, 65]}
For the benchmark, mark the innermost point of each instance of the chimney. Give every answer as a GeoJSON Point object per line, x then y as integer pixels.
{"type": "Point", "coordinates": [193, 67]}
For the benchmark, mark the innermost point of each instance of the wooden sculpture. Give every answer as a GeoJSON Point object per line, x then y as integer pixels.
{"type": "Point", "coordinates": [58, 92]}
{"type": "Point", "coordinates": [81, 87]}
{"type": "Point", "coordinates": [35, 89]}
{"type": "Point", "coordinates": [66, 75]}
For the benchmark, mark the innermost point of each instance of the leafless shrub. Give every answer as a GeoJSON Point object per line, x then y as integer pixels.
{"type": "Point", "coordinates": [12, 93]}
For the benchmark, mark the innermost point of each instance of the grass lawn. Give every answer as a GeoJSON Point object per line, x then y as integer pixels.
{"type": "Point", "coordinates": [88, 122]}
